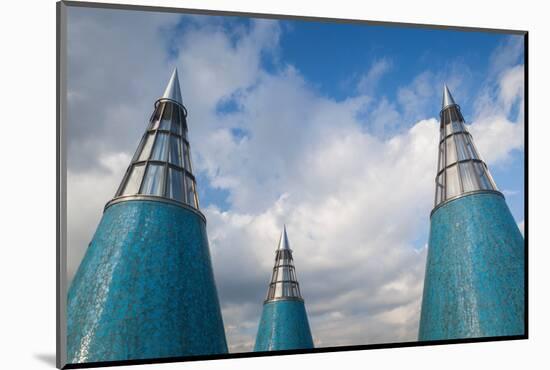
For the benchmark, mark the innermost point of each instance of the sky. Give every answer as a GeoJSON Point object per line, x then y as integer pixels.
{"type": "Point", "coordinates": [328, 128]}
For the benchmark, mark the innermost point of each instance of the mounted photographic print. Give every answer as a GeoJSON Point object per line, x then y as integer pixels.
{"type": "Point", "coordinates": [237, 184]}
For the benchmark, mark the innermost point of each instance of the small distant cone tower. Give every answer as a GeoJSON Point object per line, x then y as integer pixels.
{"type": "Point", "coordinates": [474, 283]}
{"type": "Point", "coordinates": [145, 288]}
{"type": "Point", "coordinates": [284, 323]}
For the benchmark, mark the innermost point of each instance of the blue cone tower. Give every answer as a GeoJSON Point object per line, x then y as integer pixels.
{"type": "Point", "coordinates": [145, 288]}
{"type": "Point", "coordinates": [474, 283]}
{"type": "Point", "coordinates": [284, 323]}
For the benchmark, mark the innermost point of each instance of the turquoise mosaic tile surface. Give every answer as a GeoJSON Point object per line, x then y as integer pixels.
{"type": "Point", "coordinates": [474, 283]}
{"type": "Point", "coordinates": [283, 325]}
{"type": "Point", "coordinates": [145, 288]}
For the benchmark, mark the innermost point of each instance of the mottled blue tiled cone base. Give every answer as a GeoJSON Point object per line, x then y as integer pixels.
{"type": "Point", "coordinates": [283, 325]}
{"type": "Point", "coordinates": [474, 284]}
{"type": "Point", "coordinates": [145, 288]}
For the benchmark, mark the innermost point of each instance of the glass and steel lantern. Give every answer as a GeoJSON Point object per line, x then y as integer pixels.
{"type": "Point", "coordinates": [161, 166]}
{"type": "Point", "coordinates": [460, 169]}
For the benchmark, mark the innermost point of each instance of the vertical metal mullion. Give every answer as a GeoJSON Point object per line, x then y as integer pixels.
{"type": "Point", "coordinates": [458, 164]}
{"type": "Point", "coordinates": [161, 115]}
{"type": "Point", "coordinates": [135, 158]}
{"type": "Point", "coordinates": [146, 169]}
{"type": "Point", "coordinates": [184, 126]}
{"type": "Point", "coordinates": [167, 179]}
{"type": "Point", "coordinates": [440, 166]}
{"type": "Point", "coordinates": [180, 121]}
{"type": "Point", "coordinates": [479, 174]}
{"type": "Point", "coordinates": [184, 175]}
{"type": "Point", "coordinates": [152, 119]}
{"type": "Point", "coordinates": [139, 148]}
{"type": "Point", "coordinates": [166, 158]}
{"type": "Point", "coordinates": [155, 138]}
{"type": "Point", "coordinates": [166, 153]}
{"type": "Point", "coordinates": [182, 153]}
{"type": "Point", "coordinates": [474, 149]}
{"type": "Point", "coordinates": [444, 177]}
{"type": "Point", "coordinates": [490, 178]}
{"type": "Point", "coordinates": [477, 179]}
{"type": "Point", "coordinates": [472, 161]}
{"type": "Point", "coordinates": [188, 147]}
{"type": "Point", "coordinates": [163, 107]}
{"type": "Point", "coordinates": [196, 194]}
{"type": "Point", "coordinates": [145, 172]}
{"type": "Point", "coordinates": [124, 179]}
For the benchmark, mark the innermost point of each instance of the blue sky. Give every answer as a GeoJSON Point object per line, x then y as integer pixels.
{"type": "Point", "coordinates": [328, 128]}
{"type": "Point", "coordinates": [346, 50]}
{"type": "Point", "coordinates": [332, 57]}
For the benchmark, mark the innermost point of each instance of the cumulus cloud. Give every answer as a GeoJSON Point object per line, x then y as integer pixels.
{"type": "Point", "coordinates": [508, 53]}
{"type": "Point", "coordinates": [498, 126]}
{"type": "Point", "coordinates": [107, 109]}
{"type": "Point", "coordinates": [352, 179]}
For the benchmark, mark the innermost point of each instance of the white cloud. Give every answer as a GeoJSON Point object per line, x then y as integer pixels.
{"type": "Point", "coordinates": [496, 130]}
{"type": "Point", "coordinates": [495, 137]}
{"type": "Point", "coordinates": [384, 120]}
{"type": "Point", "coordinates": [354, 191]}
{"type": "Point", "coordinates": [369, 81]}
{"type": "Point", "coordinates": [108, 67]}
{"type": "Point", "coordinates": [336, 185]}
{"type": "Point", "coordinates": [325, 178]}
{"type": "Point", "coordinates": [511, 87]}
{"type": "Point", "coordinates": [507, 54]}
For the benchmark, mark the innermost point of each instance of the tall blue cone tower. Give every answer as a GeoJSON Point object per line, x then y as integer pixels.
{"type": "Point", "coordinates": [474, 283]}
{"type": "Point", "coordinates": [284, 323]}
{"type": "Point", "coordinates": [145, 288]}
